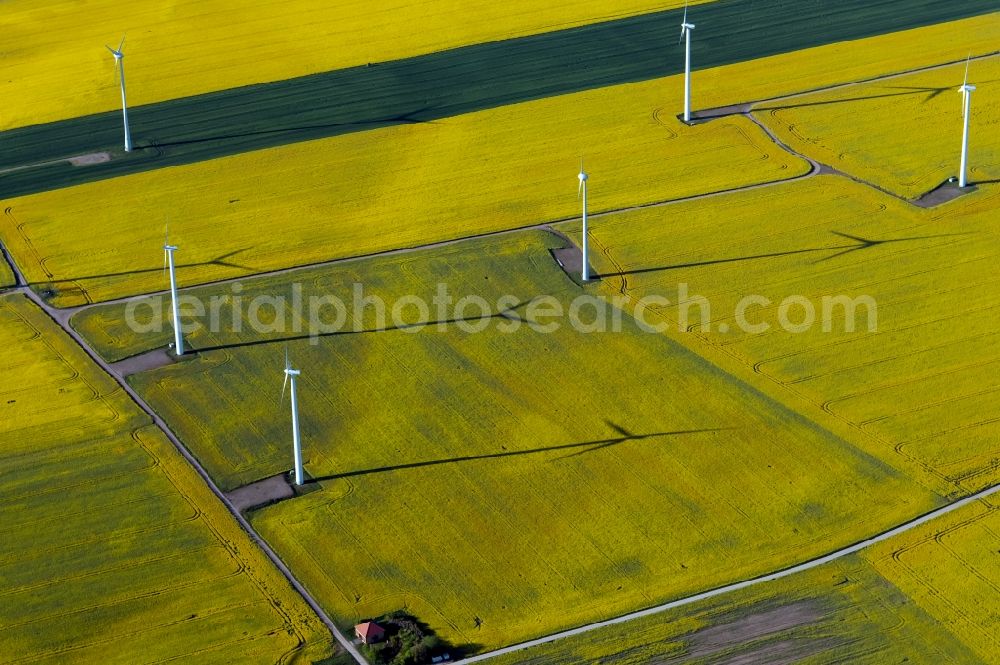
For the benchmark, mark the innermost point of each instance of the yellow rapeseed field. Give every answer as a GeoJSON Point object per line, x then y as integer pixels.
{"type": "Point", "coordinates": [501, 485]}
{"type": "Point", "coordinates": [920, 392]}
{"type": "Point", "coordinates": [372, 191]}
{"type": "Point", "coordinates": [950, 568]}
{"type": "Point", "coordinates": [57, 66]}
{"type": "Point", "coordinates": [903, 134]}
{"type": "Point", "coordinates": [112, 549]}
{"type": "Point", "coordinates": [6, 276]}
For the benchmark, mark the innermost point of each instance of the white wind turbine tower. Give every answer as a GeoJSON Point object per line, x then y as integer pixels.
{"type": "Point", "coordinates": [292, 375]}
{"type": "Point", "coordinates": [120, 66]}
{"type": "Point", "coordinates": [168, 260]}
{"type": "Point", "coordinates": [966, 91]}
{"type": "Point", "coordinates": [582, 192]}
{"type": "Point", "coordinates": [686, 29]}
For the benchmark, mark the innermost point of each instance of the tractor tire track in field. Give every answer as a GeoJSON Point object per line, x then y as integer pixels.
{"type": "Point", "coordinates": [939, 539]}
{"type": "Point", "coordinates": [444, 84]}
{"type": "Point", "coordinates": [736, 586]}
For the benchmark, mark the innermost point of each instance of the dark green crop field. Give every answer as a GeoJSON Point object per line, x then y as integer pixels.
{"type": "Point", "coordinates": [447, 83]}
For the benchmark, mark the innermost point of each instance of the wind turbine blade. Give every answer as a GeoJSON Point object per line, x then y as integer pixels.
{"type": "Point", "coordinates": [288, 366]}
{"type": "Point", "coordinates": [965, 81]}
{"type": "Point", "coordinates": [121, 43]}
{"type": "Point", "coordinates": [683, 23]}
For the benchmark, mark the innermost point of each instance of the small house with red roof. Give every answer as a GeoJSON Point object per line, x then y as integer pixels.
{"type": "Point", "coordinates": [369, 632]}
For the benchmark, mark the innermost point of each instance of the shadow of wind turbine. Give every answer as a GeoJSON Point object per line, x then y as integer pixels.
{"type": "Point", "coordinates": [590, 445]}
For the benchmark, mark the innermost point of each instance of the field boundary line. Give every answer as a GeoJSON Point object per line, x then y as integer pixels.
{"type": "Point", "coordinates": [736, 586]}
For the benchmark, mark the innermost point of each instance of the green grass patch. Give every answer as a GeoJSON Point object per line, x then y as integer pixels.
{"type": "Point", "coordinates": [502, 485]}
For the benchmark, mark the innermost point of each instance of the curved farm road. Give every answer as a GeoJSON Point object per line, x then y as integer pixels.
{"type": "Point", "coordinates": [736, 586]}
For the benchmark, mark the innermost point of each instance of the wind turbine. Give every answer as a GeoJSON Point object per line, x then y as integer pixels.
{"type": "Point", "coordinates": [582, 192]}
{"type": "Point", "coordinates": [966, 91]}
{"type": "Point", "coordinates": [120, 66]}
{"type": "Point", "coordinates": [686, 29]}
{"type": "Point", "coordinates": [292, 374]}
{"type": "Point", "coordinates": [168, 260]}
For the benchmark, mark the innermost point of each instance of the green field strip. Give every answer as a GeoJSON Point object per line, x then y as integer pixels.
{"type": "Point", "coordinates": [443, 84]}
